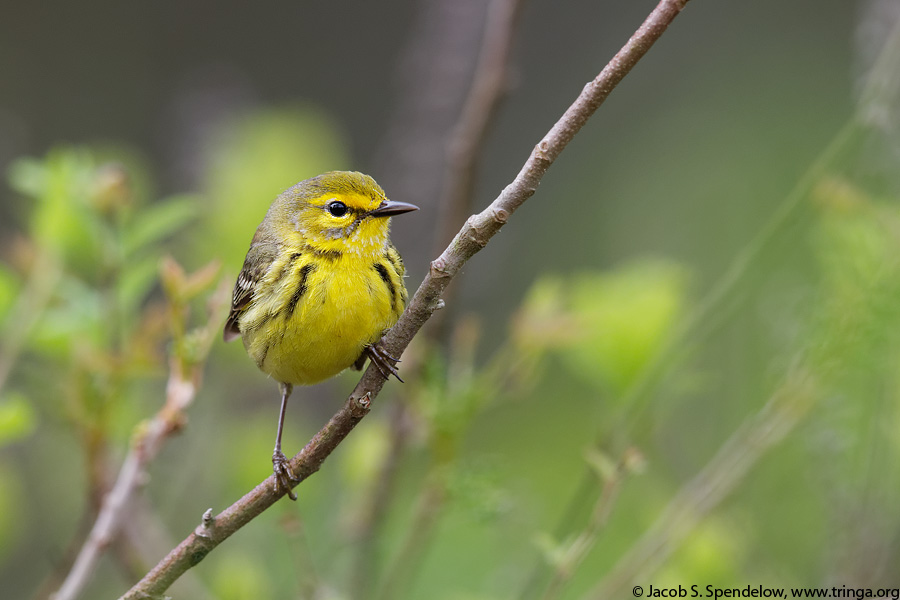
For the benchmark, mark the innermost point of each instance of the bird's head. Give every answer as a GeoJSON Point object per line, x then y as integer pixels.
{"type": "Point", "coordinates": [339, 211]}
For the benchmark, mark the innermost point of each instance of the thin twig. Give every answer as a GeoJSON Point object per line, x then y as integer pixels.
{"type": "Point", "coordinates": [479, 228]}
{"type": "Point", "coordinates": [698, 497]}
{"type": "Point", "coordinates": [184, 381]}
{"type": "Point", "coordinates": [581, 546]}
{"type": "Point", "coordinates": [474, 236]}
{"type": "Point", "coordinates": [213, 530]}
{"type": "Point", "coordinates": [489, 85]}
{"type": "Point", "coordinates": [434, 70]}
{"type": "Point", "coordinates": [29, 307]}
{"type": "Point", "coordinates": [704, 317]}
{"type": "Point", "coordinates": [181, 389]}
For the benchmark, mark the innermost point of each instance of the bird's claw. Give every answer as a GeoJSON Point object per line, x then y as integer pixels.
{"type": "Point", "coordinates": [383, 361]}
{"type": "Point", "coordinates": [284, 477]}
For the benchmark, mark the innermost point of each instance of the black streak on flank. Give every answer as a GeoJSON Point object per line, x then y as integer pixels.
{"type": "Point", "coordinates": [386, 278]}
{"type": "Point", "coordinates": [287, 266]}
{"type": "Point", "coordinates": [265, 353]}
{"type": "Point", "coordinates": [390, 259]}
{"type": "Point", "coordinates": [301, 289]}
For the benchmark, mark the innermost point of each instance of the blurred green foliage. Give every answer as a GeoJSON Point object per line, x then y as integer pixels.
{"type": "Point", "coordinates": [17, 418]}
{"type": "Point", "coordinates": [103, 240]}
{"type": "Point", "coordinates": [481, 453]}
{"type": "Point", "coordinates": [252, 158]}
{"type": "Point", "coordinates": [607, 326]}
{"type": "Point", "coordinates": [83, 329]}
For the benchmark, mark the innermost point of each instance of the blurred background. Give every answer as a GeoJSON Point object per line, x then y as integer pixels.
{"type": "Point", "coordinates": [676, 365]}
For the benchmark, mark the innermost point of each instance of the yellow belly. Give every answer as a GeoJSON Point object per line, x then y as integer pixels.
{"type": "Point", "coordinates": [343, 309]}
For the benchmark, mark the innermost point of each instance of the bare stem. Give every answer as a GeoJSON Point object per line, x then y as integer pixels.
{"type": "Point", "coordinates": [479, 228]}
{"type": "Point", "coordinates": [489, 85]}
{"type": "Point", "coordinates": [581, 546]}
{"type": "Point", "coordinates": [26, 313]}
{"type": "Point", "coordinates": [181, 389]}
{"type": "Point", "coordinates": [213, 530]}
{"type": "Point", "coordinates": [474, 236]}
{"type": "Point", "coordinates": [708, 312]}
{"type": "Point", "coordinates": [698, 497]}
{"type": "Point", "coordinates": [184, 381]}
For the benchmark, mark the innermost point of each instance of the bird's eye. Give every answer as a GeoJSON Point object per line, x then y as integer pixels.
{"type": "Point", "coordinates": [337, 209]}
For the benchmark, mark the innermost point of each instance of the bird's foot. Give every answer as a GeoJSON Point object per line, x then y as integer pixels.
{"type": "Point", "coordinates": [284, 477]}
{"type": "Point", "coordinates": [383, 361]}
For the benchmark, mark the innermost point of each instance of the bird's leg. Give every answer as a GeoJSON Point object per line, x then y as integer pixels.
{"type": "Point", "coordinates": [383, 361]}
{"type": "Point", "coordinates": [283, 475]}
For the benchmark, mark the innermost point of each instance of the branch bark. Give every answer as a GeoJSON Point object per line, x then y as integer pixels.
{"type": "Point", "coordinates": [489, 84]}
{"type": "Point", "coordinates": [462, 153]}
{"type": "Point", "coordinates": [180, 392]}
{"type": "Point", "coordinates": [475, 234]}
{"type": "Point", "coordinates": [185, 375]}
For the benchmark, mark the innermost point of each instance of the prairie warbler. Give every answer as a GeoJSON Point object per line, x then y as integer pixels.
{"type": "Point", "coordinates": [320, 285]}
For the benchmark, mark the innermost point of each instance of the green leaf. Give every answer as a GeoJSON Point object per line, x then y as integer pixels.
{"type": "Point", "coordinates": [255, 157]}
{"type": "Point", "coordinates": [78, 318]}
{"type": "Point", "coordinates": [136, 282]}
{"type": "Point", "coordinates": [63, 220]}
{"type": "Point", "coordinates": [158, 221]}
{"type": "Point", "coordinates": [17, 418]}
{"type": "Point", "coordinates": [623, 318]}
{"type": "Point", "coordinates": [364, 454]}
{"type": "Point", "coordinates": [241, 576]}
{"type": "Point", "coordinates": [9, 289]}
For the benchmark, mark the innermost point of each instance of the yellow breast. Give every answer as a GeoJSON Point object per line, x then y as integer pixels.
{"type": "Point", "coordinates": [315, 313]}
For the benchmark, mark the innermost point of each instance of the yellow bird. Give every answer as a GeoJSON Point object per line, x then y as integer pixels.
{"type": "Point", "coordinates": [320, 285]}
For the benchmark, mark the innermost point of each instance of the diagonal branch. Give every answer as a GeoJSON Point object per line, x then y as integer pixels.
{"type": "Point", "coordinates": [184, 380]}
{"type": "Point", "coordinates": [489, 84]}
{"type": "Point", "coordinates": [474, 236]}
{"type": "Point", "coordinates": [464, 150]}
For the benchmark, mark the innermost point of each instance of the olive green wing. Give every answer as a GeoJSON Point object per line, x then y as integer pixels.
{"type": "Point", "coordinates": [259, 259]}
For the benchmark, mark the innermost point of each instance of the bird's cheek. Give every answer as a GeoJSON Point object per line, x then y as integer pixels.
{"type": "Point", "coordinates": [375, 227]}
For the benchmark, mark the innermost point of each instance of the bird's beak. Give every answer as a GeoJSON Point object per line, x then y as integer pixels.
{"type": "Point", "coordinates": [389, 208]}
